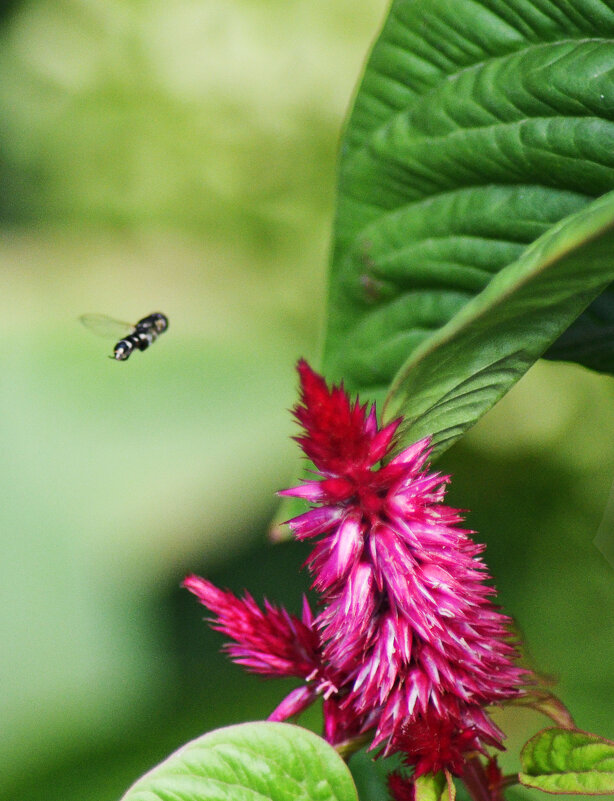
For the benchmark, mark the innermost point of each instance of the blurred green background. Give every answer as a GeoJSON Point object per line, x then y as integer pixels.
{"type": "Point", "coordinates": [181, 157]}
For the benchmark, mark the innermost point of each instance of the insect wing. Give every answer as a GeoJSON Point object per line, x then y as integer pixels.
{"type": "Point", "coordinates": [107, 327]}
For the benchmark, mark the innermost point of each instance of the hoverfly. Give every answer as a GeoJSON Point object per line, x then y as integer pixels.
{"type": "Point", "coordinates": [138, 335]}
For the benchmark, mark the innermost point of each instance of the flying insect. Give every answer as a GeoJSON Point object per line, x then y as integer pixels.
{"type": "Point", "coordinates": [137, 336]}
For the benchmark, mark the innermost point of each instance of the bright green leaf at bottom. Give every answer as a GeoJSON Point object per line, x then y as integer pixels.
{"type": "Point", "coordinates": [434, 788]}
{"type": "Point", "coordinates": [249, 762]}
{"type": "Point", "coordinates": [568, 761]}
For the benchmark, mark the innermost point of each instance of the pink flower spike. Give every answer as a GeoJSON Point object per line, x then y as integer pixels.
{"type": "Point", "coordinates": [408, 627]}
{"type": "Point", "coordinates": [406, 646]}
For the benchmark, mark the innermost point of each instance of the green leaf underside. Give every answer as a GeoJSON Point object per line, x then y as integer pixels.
{"type": "Point", "coordinates": [590, 340]}
{"type": "Point", "coordinates": [568, 761]}
{"type": "Point", "coordinates": [462, 371]}
{"type": "Point", "coordinates": [479, 125]}
{"type": "Point", "coordinates": [249, 762]}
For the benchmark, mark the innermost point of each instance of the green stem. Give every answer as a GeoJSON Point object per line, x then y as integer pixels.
{"type": "Point", "coordinates": [349, 747]}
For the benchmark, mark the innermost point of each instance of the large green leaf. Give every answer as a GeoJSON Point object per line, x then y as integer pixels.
{"type": "Point", "coordinates": [463, 369]}
{"type": "Point", "coordinates": [479, 125]}
{"type": "Point", "coordinates": [250, 762]}
{"type": "Point", "coordinates": [568, 761]}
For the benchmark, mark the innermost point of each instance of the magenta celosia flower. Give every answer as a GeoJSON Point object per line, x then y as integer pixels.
{"type": "Point", "coordinates": [408, 619]}
{"type": "Point", "coordinates": [408, 645]}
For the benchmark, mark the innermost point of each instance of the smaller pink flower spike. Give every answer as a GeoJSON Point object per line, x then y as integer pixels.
{"type": "Point", "coordinates": [271, 642]}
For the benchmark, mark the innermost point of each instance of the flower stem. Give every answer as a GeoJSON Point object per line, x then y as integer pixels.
{"type": "Point", "coordinates": [476, 782]}
{"type": "Point", "coordinates": [349, 747]}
